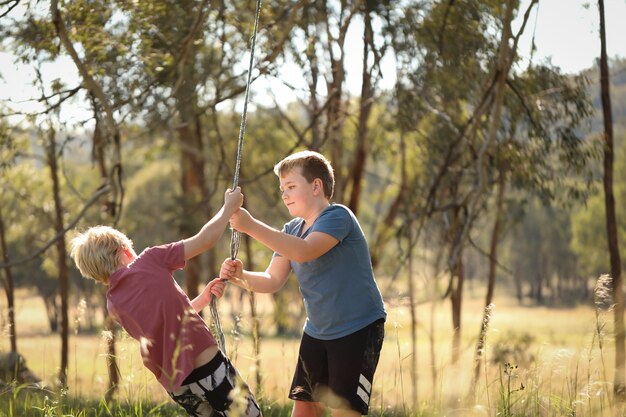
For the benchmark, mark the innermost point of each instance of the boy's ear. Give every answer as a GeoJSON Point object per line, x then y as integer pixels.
{"type": "Point", "coordinates": [318, 186]}
{"type": "Point", "coordinates": [127, 252]}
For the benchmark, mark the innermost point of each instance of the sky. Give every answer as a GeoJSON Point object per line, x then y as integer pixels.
{"type": "Point", "coordinates": [566, 33]}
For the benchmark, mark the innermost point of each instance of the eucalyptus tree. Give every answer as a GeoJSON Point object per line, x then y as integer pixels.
{"type": "Point", "coordinates": [480, 121]}
{"type": "Point", "coordinates": [52, 159]}
{"type": "Point", "coordinates": [36, 36]}
{"type": "Point", "coordinates": [619, 384]}
{"type": "Point", "coordinates": [157, 64]}
{"type": "Point", "coordinates": [336, 123]}
{"type": "Point", "coordinates": [167, 38]}
{"type": "Point", "coordinates": [35, 193]}
{"type": "Point", "coordinates": [454, 76]}
{"type": "Point", "coordinates": [8, 155]}
{"type": "Point", "coordinates": [27, 221]}
{"type": "Point", "coordinates": [589, 241]}
{"type": "Point", "coordinates": [318, 47]}
{"type": "Point", "coordinates": [547, 158]}
{"type": "Point", "coordinates": [191, 59]}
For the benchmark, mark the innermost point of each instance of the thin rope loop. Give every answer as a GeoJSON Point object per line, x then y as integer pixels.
{"type": "Point", "coordinates": [235, 238]}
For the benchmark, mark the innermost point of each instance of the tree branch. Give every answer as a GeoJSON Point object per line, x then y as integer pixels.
{"type": "Point", "coordinates": [186, 46]}
{"type": "Point", "coordinates": [115, 177]}
{"type": "Point", "coordinates": [100, 192]}
{"type": "Point", "coordinates": [9, 5]}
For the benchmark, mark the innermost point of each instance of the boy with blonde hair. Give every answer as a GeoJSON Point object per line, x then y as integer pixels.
{"type": "Point", "coordinates": [326, 249]}
{"type": "Point", "coordinates": [175, 343]}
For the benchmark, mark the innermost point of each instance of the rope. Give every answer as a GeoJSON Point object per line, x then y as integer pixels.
{"type": "Point", "coordinates": [235, 235]}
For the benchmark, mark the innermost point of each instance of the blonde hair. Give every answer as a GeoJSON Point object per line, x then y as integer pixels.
{"type": "Point", "coordinates": [97, 251]}
{"type": "Point", "coordinates": [313, 165]}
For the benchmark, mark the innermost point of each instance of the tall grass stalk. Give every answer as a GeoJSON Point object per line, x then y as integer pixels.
{"type": "Point", "coordinates": [602, 297]}
{"type": "Point", "coordinates": [480, 353]}
{"type": "Point", "coordinates": [400, 359]}
{"type": "Point", "coordinates": [487, 393]}
{"type": "Point", "coordinates": [505, 407]}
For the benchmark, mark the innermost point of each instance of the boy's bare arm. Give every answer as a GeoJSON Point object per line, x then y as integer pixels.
{"type": "Point", "coordinates": [270, 281]}
{"type": "Point", "coordinates": [214, 228]}
{"type": "Point", "coordinates": [214, 288]}
{"type": "Point", "coordinates": [291, 247]}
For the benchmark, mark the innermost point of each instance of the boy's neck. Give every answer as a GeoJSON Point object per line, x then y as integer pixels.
{"type": "Point", "coordinates": [315, 212]}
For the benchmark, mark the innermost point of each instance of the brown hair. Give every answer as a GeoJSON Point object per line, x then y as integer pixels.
{"type": "Point", "coordinates": [97, 251]}
{"type": "Point", "coordinates": [313, 165]}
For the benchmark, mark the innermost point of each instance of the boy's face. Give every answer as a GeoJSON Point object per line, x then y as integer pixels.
{"type": "Point", "coordinates": [297, 193]}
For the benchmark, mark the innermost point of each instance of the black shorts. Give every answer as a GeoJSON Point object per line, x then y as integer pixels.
{"type": "Point", "coordinates": [339, 372]}
{"type": "Point", "coordinates": [208, 391]}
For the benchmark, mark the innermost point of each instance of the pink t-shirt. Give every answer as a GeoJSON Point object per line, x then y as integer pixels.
{"type": "Point", "coordinates": [147, 302]}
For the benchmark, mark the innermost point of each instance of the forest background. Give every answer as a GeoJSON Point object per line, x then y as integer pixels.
{"type": "Point", "coordinates": [477, 172]}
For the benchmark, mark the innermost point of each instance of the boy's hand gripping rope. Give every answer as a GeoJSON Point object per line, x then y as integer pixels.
{"type": "Point", "coordinates": [235, 235]}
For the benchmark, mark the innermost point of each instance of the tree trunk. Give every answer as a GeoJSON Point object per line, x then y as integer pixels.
{"type": "Point", "coordinates": [333, 128]}
{"type": "Point", "coordinates": [256, 334]}
{"type": "Point", "coordinates": [456, 298]}
{"type": "Point", "coordinates": [114, 376]}
{"type": "Point", "coordinates": [314, 106]}
{"type": "Point", "coordinates": [619, 385]}
{"type": "Point", "coordinates": [412, 302]}
{"type": "Point", "coordinates": [539, 283]}
{"type": "Point", "coordinates": [495, 237]}
{"type": "Point", "coordinates": [336, 107]}
{"type": "Point", "coordinates": [386, 230]}
{"type": "Point", "coordinates": [62, 268]}
{"type": "Point", "coordinates": [52, 311]}
{"type": "Point", "coordinates": [99, 156]}
{"type": "Point", "coordinates": [192, 181]}
{"type": "Point", "coordinates": [8, 286]}
{"type": "Point", "coordinates": [358, 167]}
{"type": "Point", "coordinates": [502, 68]}
{"type": "Point", "coordinates": [432, 344]}
{"type": "Point", "coordinates": [491, 282]}
{"type": "Point", "coordinates": [519, 292]}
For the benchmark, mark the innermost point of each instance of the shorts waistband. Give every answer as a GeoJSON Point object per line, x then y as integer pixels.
{"type": "Point", "coordinates": [205, 370]}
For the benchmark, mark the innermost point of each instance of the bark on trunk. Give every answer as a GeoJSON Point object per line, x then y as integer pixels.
{"type": "Point", "coordinates": [456, 298]}
{"type": "Point", "coordinates": [8, 286]}
{"type": "Point", "coordinates": [114, 376]}
{"type": "Point", "coordinates": [99, 156]}
{"type": "Point", "coordinates": [619, 385]}
{"type": "Point", "coordinates": [62, 267]}
{"type": "Point", "coordinates": [491, 282]}
{"type": "Point", "coordinates": [256, 321]}
{"type": "Point", "coordinates": [192, 181]}
{"type": "Point", "coordinates": [358, 168]}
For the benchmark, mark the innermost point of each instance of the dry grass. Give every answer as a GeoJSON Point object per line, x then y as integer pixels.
{"type": "Point", "coordinates": [565, 365]}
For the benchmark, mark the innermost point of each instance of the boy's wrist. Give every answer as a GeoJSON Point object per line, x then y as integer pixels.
{"type": "Point", "coordinates": [231, 208]}
{"type": "Point", "coordinates": [250, 227]}
{"type": "Point", "coordinates": [206, 294]}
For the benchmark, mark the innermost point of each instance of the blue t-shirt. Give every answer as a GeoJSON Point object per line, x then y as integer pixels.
{"type": "Point", "coordinates": [339, 290]}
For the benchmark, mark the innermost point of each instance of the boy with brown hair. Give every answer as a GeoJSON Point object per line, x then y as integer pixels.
{"type": "Point", "coordinates": [175, 343]}
{"type": "Point", "coordinates": [326, 248]}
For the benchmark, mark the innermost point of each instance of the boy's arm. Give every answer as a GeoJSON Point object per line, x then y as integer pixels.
{"type": "Point", "coordinates": [291, 247]}
{"type": "Point", "coordinates": [215, 288]}
{"type": "Point", "coordinates": [214, 228]}
{"type": "Point", "coordinates": [270, 281]}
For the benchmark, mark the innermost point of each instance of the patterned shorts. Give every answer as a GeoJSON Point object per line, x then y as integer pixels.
{"type": "Point", "coordinates": [216, 390]}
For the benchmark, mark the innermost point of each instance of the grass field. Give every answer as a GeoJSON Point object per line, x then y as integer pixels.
{"type": "Point", "coordinates": [553, 353]}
